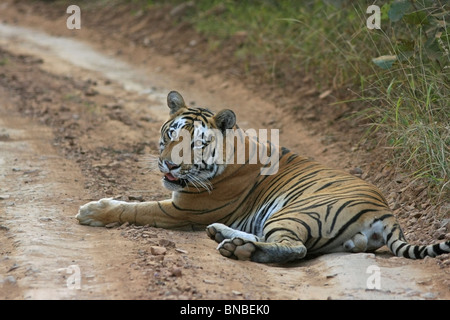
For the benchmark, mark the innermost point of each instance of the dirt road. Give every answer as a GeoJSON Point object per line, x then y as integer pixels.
{"type": "Point", "coordinates": [78, 120]}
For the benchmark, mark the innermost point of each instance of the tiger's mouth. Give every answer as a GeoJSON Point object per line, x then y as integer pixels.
{"type": "Point", "coordinates": [195, 176]}
{"type": "Point", "coordinates": [168, 177]}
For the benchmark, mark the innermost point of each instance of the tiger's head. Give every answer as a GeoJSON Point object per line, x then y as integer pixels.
{"type": "Point", "coordinates": [191, 146]}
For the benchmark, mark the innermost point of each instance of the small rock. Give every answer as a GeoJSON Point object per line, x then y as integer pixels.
{"type": "Point", "coordinates": [356, 171]}
{"type": "Point", "coordinates": [156, 251]}
{"type": "Point", "coordinates": [119, 196]}
{"type": "Point", "coordinates": [166, 243]}
{"type": "Point", "coordinates": [159, 258]}
{"type": "Point", "coordinates": [209, 281]}
{"type": "Point", "coordinates": [175, 272]}
{"type": "Point", "coordinates": [412, 293]}
{"type": "Point", "coordinates": [236, 293]}
{"type": "Point", "coordinates": [4, 196]}
{"type": "Point", "coordinates": [136, 198]}
{"type": "Point", "coordinates": [181, 250]}
{"type": "Point", "coordinates": [90, 92]}
{"type": "Point", "coordinates": [425, 282]}
{"type": "Point", "coordinates": [149, 234]}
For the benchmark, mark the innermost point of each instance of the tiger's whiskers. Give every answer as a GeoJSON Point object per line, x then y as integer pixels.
{"type": "Point", "coordinates": [150, 163]}
{"type": "Point", "coordinates": [198, 181]}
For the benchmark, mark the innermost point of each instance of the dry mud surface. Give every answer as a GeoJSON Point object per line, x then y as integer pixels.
{"type": "Point", "coordinates": [79, 116]}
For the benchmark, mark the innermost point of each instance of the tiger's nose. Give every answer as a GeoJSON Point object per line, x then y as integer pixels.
{"type": "Point", "coordinates": [170, 165]}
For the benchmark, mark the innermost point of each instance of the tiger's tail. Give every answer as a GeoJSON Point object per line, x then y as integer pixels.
{"type": "Point", "coordinates": [396, 242]}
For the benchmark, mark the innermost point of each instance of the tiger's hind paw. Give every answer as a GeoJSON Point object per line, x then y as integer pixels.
{"type": "Point", "coordinates": [213, 231]}
{"type": "Point", "coordinates": [237, 248]}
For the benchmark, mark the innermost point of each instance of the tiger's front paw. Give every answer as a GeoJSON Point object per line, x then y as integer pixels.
{"type": "Point", "coordinates": [99, 213]}
{"type": "Point", "coordinates": [237, 248]}
{"type": "Point", "coordinates": [220, 232]}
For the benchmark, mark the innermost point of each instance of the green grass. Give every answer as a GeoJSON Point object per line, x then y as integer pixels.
{"type": "Point", "coordinates": [283, 36]}
{"type": "Point", "coordinates": [407, 100]}
{"type": "Point", "coordinates": [410, 101]}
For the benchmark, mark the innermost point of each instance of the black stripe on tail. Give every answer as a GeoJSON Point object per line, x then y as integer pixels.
{"type": "Point", "coordinates": [396, 242]}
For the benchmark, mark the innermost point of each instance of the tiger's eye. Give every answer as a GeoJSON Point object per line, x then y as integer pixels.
{"type": "Point", "coordinates": [172, 134]}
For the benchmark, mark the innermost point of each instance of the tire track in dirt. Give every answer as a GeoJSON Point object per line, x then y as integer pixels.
{"type": "Point", "coordinates": [43, 189]}
{"type": "Point", "coordinates": [48, 238]}
{"type": "Point", "coordinates": [46, 246]}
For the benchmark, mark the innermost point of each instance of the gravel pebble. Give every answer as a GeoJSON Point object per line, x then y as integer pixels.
{"type": "Point", "coordinates": [156, 251]}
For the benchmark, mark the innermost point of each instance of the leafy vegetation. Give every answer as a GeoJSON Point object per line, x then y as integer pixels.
{"type": "Point", "coordinates": [399, 73]}
{"type": "Point", "coordinates": [410, 99]}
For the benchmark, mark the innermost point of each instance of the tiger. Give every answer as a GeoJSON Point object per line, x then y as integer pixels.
{"type": "Point", "coordinates": [302, 208]}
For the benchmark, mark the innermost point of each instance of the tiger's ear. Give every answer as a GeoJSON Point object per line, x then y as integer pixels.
{"type": "Point", "coordinates": [175, 102]}
{"type": "Point", "coordinates": [225, 119]}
